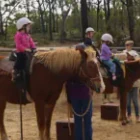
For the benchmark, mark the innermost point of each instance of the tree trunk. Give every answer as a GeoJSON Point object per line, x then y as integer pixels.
{"type": "Point", "coordinates": [98, 11]}
{"type": "Point", "coordinates": [57, 24]}
{"type": "Point", "coordinates": [6, 30]}
{"type": "Point", "coordinates": [84, 17]}
{"type": "Point", "coordinates": [107, 13]}
{"type": "Point", "coordinates": [131, 21]}
{"type": "Point", "coordinates": [64, 17]}
{"type": "Point", "coordinates": [53, 19]}
{"type": "Point", "coordinates": [122, 16]}
{"type": "Point", "coordinates": [28, 8]}
{"type": "Point", "coordinates": [50, 21]}
{"type": "Point", "coordinates": [1, 22]}
{"type": "Point", "coordinates": [41, 13]}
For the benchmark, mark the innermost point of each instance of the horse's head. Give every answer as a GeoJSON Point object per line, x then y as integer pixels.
{"type": "Point", "coordinates": [89, 71]}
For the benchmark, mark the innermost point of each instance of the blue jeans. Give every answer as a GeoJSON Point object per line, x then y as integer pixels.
{"type": "Point", "coordinates": [80, 106]}
{"type": "Point", "coordinates": [133, 96]}
{"type": "Point", "coordinates": [111, 65]}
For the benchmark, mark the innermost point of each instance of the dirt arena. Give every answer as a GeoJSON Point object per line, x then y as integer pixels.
{"type": "Point", "coordinates": [103, 130]}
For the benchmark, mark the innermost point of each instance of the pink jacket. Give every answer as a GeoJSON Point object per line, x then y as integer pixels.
{"type": "Point", "coordinates": [23, 41]}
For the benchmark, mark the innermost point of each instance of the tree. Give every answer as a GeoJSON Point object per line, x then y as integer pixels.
{"type": "Point", "coordinates": [8, 8]}
{"type": "Point", "coordinates": [41, 11]}
{"type": "Point", "coordinates": [65, 6]}
{"type": "Point", "coordinates": [28, 7]}
{"type": "Point", "coordinates": [107, 13]}
{"type": "Point", "coordinates": [84, 16]}
{"type": "Point", "coordinates": [98, 11]}
{"type": "Point", "coordinates": [131, 19]}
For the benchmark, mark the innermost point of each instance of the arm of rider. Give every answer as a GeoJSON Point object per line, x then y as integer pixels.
{"type": "Point", "coordinates": [33, 50]}
{"type": "Point", "coordinates": [112, 55]}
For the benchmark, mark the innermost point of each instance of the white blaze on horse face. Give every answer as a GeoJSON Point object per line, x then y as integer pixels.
{"type": "Point", "coordinates": [95, 60]}
{"type": "Point", "coordinates": [102, 89]}
{"type": "Point", "coordinates": [101, 78]}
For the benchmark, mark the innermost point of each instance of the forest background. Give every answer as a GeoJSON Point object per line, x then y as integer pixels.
{"type": "Point", "coordinates": [66, 20]}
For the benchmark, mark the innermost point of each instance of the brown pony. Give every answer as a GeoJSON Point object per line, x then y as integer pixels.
{"type": "Point", "coordinates": [49, 72]}
{"type": "Point", "coordinates": [132, 74]}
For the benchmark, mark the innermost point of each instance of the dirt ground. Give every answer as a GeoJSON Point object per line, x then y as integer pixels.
{"type": "Point", "coordinates": [103, 130]}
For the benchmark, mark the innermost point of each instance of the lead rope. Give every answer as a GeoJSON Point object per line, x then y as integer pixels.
{"type": "Point", "coordinates": [69, 127]}
{"type": "Point", "coordinates": [79, 115]}
{"type": "Point", "coordinates": [23, 91]}
{"type": "Point", "coordinates": [21, 124]}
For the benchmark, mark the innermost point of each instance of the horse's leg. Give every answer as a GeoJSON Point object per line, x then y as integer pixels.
{"type": "Point", "coordinates": [123, 102]}
{"type": "Point", "coordinates": [48, 116]}
{"type": "Point", "coordinates": [48, 113]}
{"type": "Point", "coordinates": [40, 113]}
{"type": "Point", "coordinates": [2, 127]}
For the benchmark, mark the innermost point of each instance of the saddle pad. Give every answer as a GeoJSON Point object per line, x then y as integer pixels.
{"type": "Point", "coordinates": [121, 56]}
{"type": "Point", "coordinates": [6, 65]}
{"type": "Point", "coordinates": [123, 68]}
{"type": "Point", "coordinates": [104, 72]}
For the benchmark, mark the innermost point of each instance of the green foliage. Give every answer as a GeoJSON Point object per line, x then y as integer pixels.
{"type": "Point", "coordinates": [97, 38]}
{"type": "Point", "coordinates": [117, 23]}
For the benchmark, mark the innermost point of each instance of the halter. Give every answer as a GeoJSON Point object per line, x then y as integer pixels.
{"type": "Point", "coordinates": [83, 72]}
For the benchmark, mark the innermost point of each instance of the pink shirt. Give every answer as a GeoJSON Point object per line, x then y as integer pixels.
{"type": "Point", "coordinates": [23, 41]}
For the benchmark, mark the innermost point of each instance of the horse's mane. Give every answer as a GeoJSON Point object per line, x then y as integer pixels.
{"type": "Point", "coordinates": [57, 59]}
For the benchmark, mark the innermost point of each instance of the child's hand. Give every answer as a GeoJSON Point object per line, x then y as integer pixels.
{"type": "Point", "coordinates": [113, 54]}
{"type": "Point", "coordinates": [28, 50]}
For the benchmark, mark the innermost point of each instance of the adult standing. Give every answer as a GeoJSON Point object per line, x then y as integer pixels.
{"type": "Point", "coordinates": [133, 93]}
{"type": "Point", "coordinates": [80, 97]}
{"type": "Point", "coordinates": [89, 34]}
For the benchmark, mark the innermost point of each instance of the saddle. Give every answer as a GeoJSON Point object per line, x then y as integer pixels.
{"type": "Point", "coordinates": [105, 71]}
{"type": "Point", "coordinates": [22, 82]}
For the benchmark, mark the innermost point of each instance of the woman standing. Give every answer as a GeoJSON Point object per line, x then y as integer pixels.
{"type": "Point", "coordinates": [80, 98]}
{"type": "Point", "coordinates": [132, 95]}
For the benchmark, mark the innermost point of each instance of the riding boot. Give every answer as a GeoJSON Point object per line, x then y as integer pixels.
{"type": "Point", "coordinates": [16, 74]}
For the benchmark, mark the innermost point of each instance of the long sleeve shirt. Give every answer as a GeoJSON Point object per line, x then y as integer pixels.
{"type": "Point", "coordinates": [23, 41]}
{"type": "Point", "coordinates": [105, 52]}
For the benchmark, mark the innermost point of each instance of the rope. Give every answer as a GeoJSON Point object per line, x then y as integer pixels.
{"type": "Point", "coordinates": [83, 128]}
{"type": "Point", "coordinates": [23, 91]}
{"type": "Point", "coordinates": [82, 115]}
{"type": "Point", "coordinates": [79, 115]}
{"type": "Point", "coordinates": [69, 119]}
{"type": "Point", "coordinates": [21, 124]}
{"type": "Point", "coordinates": [86, 111]}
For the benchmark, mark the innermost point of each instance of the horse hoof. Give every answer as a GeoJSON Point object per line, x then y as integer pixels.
{"type": "Point", "coordinates": [124, 123]}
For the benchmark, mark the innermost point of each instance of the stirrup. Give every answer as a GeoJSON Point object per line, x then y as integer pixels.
{"type": "Point", "coordinates": [15, 75]}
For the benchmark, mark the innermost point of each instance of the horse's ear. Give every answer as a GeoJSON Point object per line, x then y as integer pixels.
{"type": "Point", "coordinates": [83, 53]}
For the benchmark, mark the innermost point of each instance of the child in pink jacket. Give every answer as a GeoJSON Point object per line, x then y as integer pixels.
{"type": "Point", "coordinates": [24, 43]}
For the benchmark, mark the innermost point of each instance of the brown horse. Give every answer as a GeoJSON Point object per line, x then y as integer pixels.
{"type": "Point", "coordinates": [132, 74]}
{"type": "Point", "coordinates": [49, 72]}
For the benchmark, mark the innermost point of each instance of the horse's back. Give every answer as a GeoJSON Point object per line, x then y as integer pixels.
{"type": "Point", "coordinates": [6, 64]}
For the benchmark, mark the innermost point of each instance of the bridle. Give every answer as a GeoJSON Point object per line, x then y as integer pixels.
{"type": "Point", "coordinates": [89, 81]}
{"type": "Point", "coordinates": [82, 72]}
